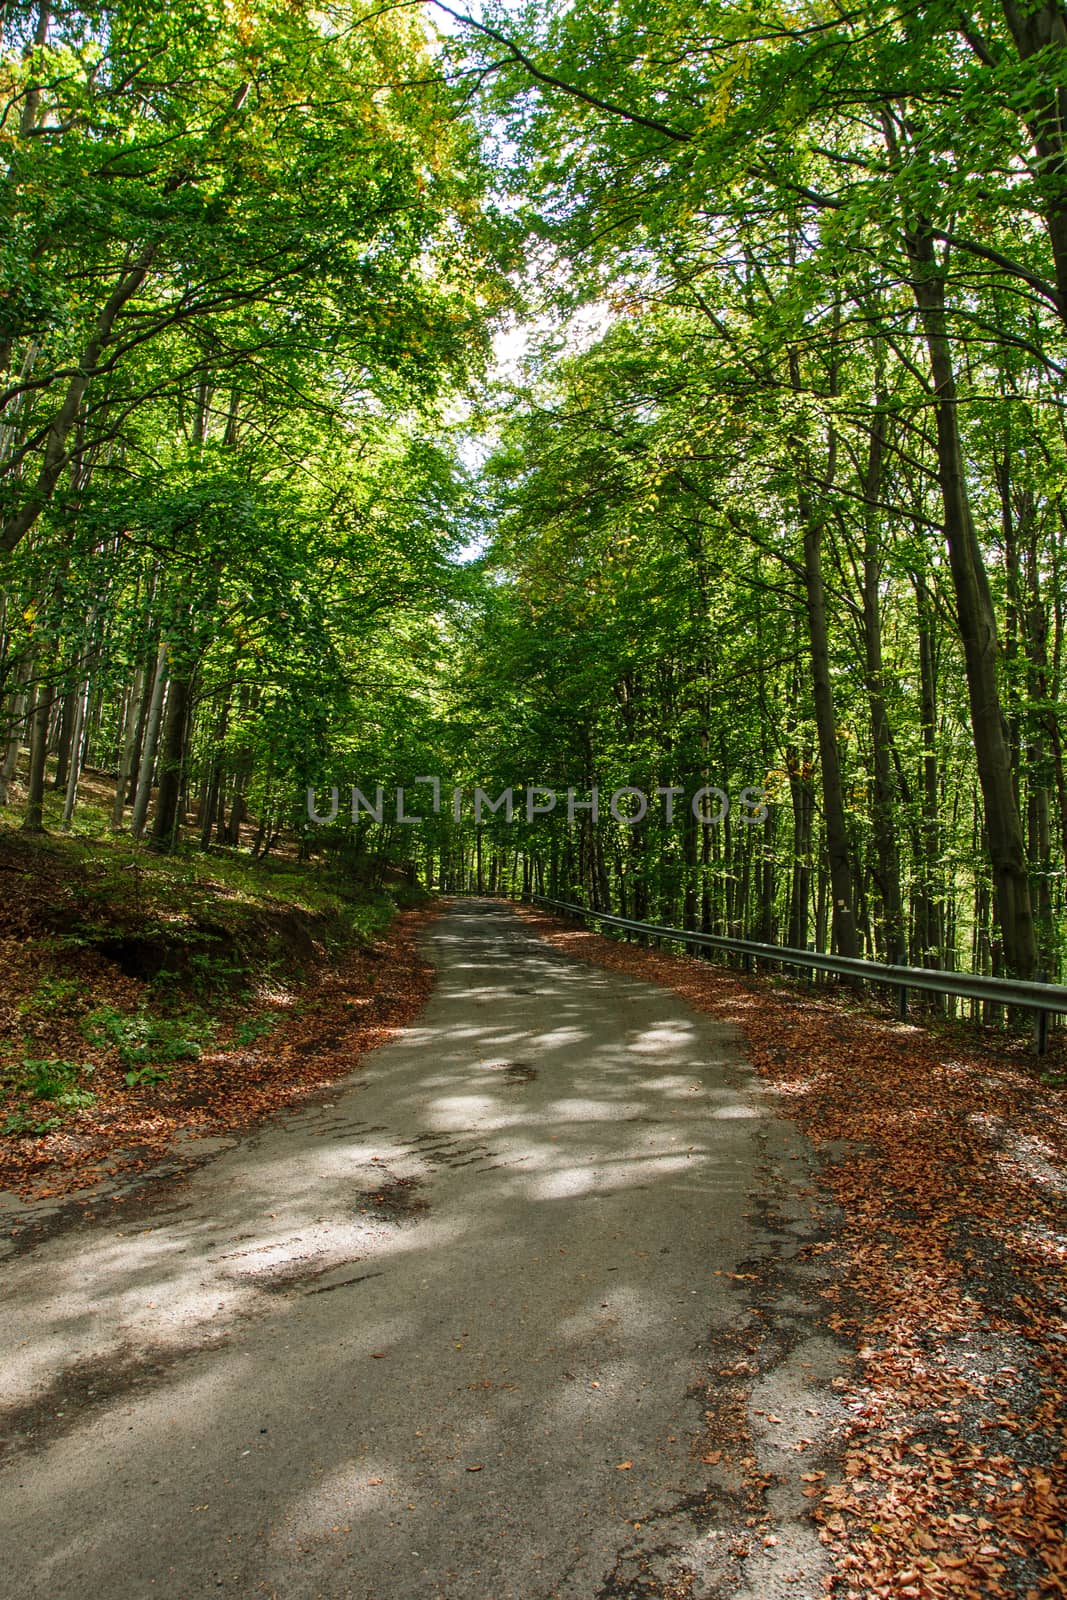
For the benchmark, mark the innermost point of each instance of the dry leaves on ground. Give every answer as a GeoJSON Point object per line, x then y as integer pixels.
{"type": "Point", "coordinates": [950, 1280]}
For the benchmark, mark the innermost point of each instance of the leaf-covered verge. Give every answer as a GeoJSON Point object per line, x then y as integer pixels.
{"type": "Point", "coordinates": [145, 999]}
{"type": "Point", "coordinates": [949, 1280]}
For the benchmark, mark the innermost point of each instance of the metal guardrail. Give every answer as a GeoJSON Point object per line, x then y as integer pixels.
{"type": "Point", "coordinates": [1040, 998]}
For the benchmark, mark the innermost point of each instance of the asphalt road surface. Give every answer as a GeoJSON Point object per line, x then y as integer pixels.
{"type": "Point", "coordinates": [445, 1334]}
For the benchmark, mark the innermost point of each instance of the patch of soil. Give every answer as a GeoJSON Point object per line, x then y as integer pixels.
{"type": "Point", "coordinates": [103, 909]}
{"type": "Point", "coordinates": [397, 1200]}
{"type": "Point", "coordinates": [515, 1071]}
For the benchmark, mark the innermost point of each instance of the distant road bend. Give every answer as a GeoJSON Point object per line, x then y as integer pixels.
{"type": "Point", "coordinates": [456, 1331]}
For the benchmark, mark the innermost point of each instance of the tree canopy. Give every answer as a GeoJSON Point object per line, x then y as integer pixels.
{"type": "Point", "coordinates": [790, 522]}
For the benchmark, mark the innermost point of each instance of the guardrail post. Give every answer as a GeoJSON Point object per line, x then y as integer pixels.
{"type": "Point", "coordinates": [1041, 1024]}
{"type": "Point", "coordinates": [902, 1002]}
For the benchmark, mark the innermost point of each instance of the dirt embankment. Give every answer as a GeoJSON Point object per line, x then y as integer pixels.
{"type": "Point", "coordinates": [143, 1000]}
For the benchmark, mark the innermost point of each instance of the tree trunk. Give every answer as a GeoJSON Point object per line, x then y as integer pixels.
{"type": "Point", "coordinates": [148, 746]}
{"type": "Point", "coordinates": [166, 820]}
{"type": "Point", "coordinates": [77, 750]}
{"type": "Point", "coordinates": [978, 629]}
{"type": "Point", "coordinates": [887, 853]}
{"type": "Point", "coordinates": [800, 791]}
{"type": "Point", "coordinates": [930, 912]}
{"type": "Point", "coordinates": [238, 806]}
{"type": "Point", "coordinates": [127, 760]}
{"type": "Point", "coordinates": [65, 737]}
{"type": "Point", "coordinates": [32, 101]}
{"type": "Point", "coordinates": [211, 804]}
{"type": "Point", "coordinates": [765, 929]}
{"type": "Point", "coordinates": [9, 764]}
{"type": "Point", "coordinates": [843, 920]}
{"type": "Point", "coordinates": [33, 820]}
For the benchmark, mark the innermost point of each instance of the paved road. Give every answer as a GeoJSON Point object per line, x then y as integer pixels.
{"type": "Point", "coordinates": [399, 1345]}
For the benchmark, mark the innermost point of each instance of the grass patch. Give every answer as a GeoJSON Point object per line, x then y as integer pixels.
{"type": "Point", "coordinates": [254, 1029]}
{"type": "Point", "coordinates": [148, 1046]}
{"type": "Point", "coordinates": [51, 996]}
{"type": "Point", "coordinates": [48, 1078]}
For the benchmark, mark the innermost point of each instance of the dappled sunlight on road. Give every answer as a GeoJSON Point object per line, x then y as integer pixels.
{"type": "Point", "coordinates": [446, 1303]}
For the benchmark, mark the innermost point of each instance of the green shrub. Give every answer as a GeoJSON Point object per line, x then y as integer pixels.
{"type": "Point", "coordinates": [45, 1078]}
{"type": "Point", "coordinates": [148, 1046]}
{"type": "Point", "coordinates": [151, 1074]}
{"type": "Point", "coordinates": [255, 1028]}
{"type": "Point", "coordinates": [21, 1122]}
{"type": "Point", "coordinates": [48, 1078]}
{"type": "Point", "coordinates": [50, 995]}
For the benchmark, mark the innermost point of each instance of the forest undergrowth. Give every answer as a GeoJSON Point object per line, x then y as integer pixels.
{"type": "Point", "coordinates": [146, 999]}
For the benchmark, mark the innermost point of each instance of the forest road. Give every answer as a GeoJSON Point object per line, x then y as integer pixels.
{"type": "Point", "coordinates": [465, 1328]}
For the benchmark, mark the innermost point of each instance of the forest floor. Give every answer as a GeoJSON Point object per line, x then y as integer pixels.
{"type": "Point", "coordinates": [149, 1002]}
{"type": "Point", "coordinates": [948, 1163]}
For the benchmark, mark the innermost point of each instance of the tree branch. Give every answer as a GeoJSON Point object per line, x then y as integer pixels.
{"type": "Point", "coordinates": [678, 135]}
